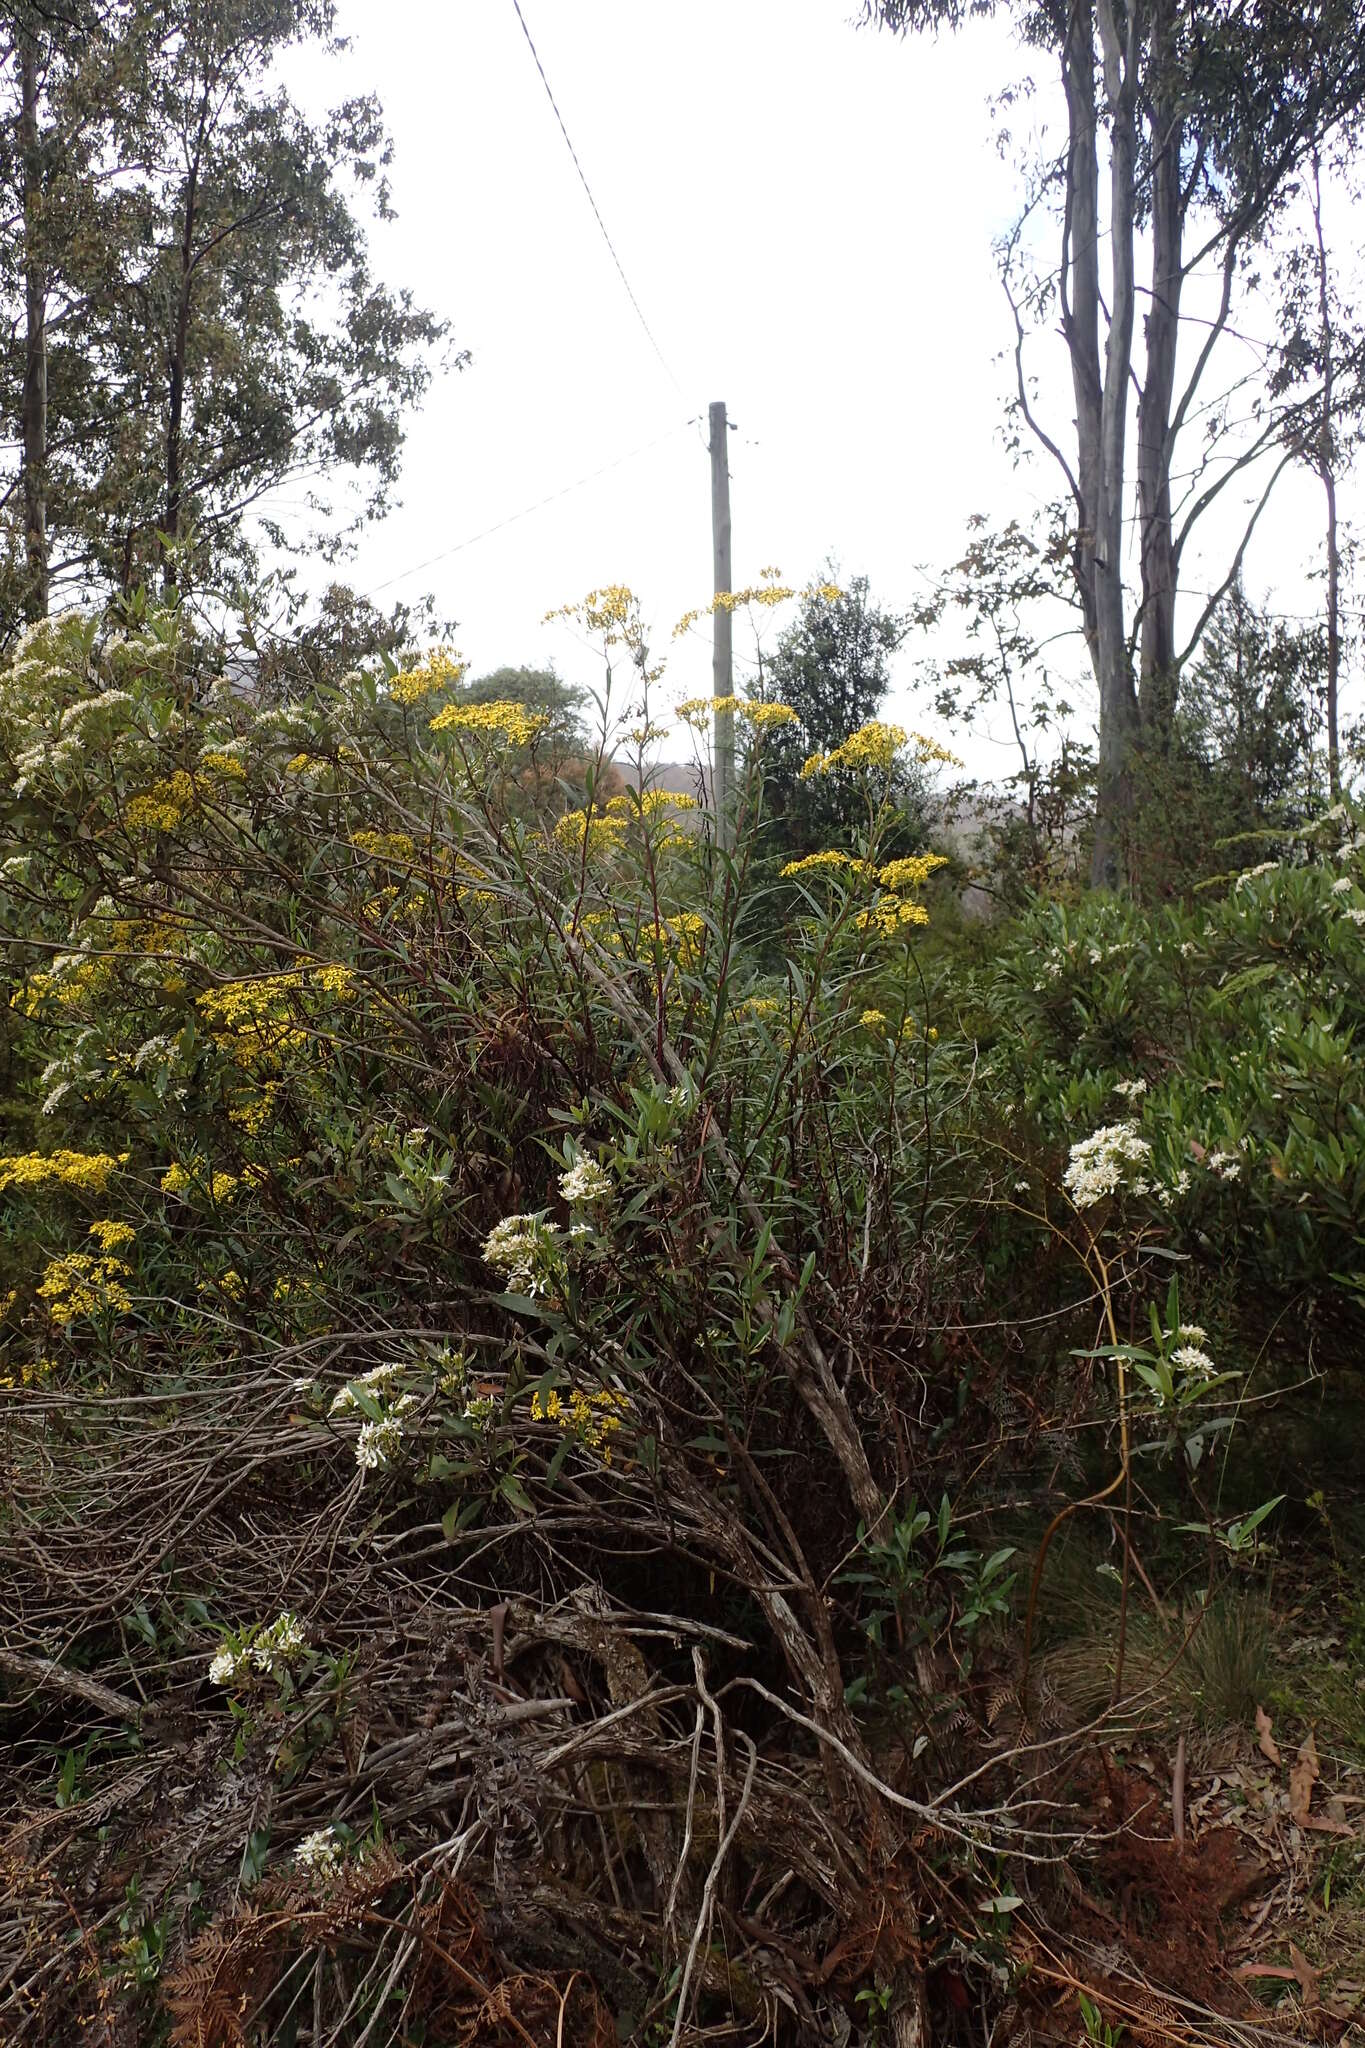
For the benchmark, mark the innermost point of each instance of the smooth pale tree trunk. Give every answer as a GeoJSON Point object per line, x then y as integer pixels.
{"type": "Point", "coordinates": [1326, 466]}
{"type": "Point", "coordinates": [1157, 690]}
{"type": "Point", "coordinates": [35, 340]}
{"type": "Point", "coordinates": [1101, 391]}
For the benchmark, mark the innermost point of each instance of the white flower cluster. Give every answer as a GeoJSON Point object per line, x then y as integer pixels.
{"type": "Point", "coordinates": [266, 1653]}
{"type": "Point", "coordinates": [1342, 886]}
{"type": "Point", "coordinates": [1104, 1162]}
{"type": "Point", "coordinates": [77, 713]}
{"type": "Point", "coordinates": [161, 1049]}
{"type": "Point", "coordinates": [1355, 917]}
{"type": "Point", "coordinates": [1226, 1165]}
{"type": "Point", "coordinates": [1193, 1360]}
{"type": "Point", "coordinates": [1130, 1089]}
{"type": "Point", "coordinates": [319, 1854]}
{"type": "Point", "coordinates": [528, 1252]}
{"type": "Point", "coordinates": [585, 1182]}
{"type": "Point", "coordinates": [378, 1443]}
{"type": "Point", "coordinates": [1266, 867]}
{"type": "Point", "coordinates": [374, 1381]}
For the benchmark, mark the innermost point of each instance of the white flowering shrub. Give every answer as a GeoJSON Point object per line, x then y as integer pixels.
{"type": "Point", "coordinates": [1230, 1032]}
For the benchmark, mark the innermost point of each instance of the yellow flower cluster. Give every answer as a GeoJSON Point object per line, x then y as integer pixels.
{"type": "Point", "coordinates": [86, 1173]}
{"type": "Point", "coordinates": [502, 720]}
{"type": "Point", "coordinates": [79, 1284]}
{"type": "Point", "coordinates": [602, 611]}
{"type": "Point", "coordinates": [253, 1020]}
{"type": "Point", "coordinates": [254, 1112]}
{"type": "Point", "coordinates": [229, 1284]}
{"type": "Point", "coordinates": [873, 1020]}
{"type": "Point", "coordinates": [161, 808]}
{"type": "Point", "coordinates": [441, 670]}
{"type": "Point", "coordinates": [684, 935]}
{"type": "Point", "coordinates": [768, 591]}
{"type": "Point", "coordinates": [593, 1419]}
{"type": "Point", "coordinates": [223, 764]}
{"type": "Point", "coordinates": [32, 1372]}
{"type": "Point", "coordinates": [699, 711]}
{"type": "Point", "coordinates": [650, 803]}
{"type": "Point", "coordinates": [178, 1180]}
{"type": "Point", "coordinates": [874, 746]}
{"type": "Point", "coordinates": [757, 1007]}
{"type": "Point", "coordinates": [891, 915]}
{"type": "Point", "coordinates": [912, 872]}
{"type": "Point", "coordinates": [77, 980]}
{"type": "Point", "coordinates": [594, 835]}
{"type": "Point", "coordinates": [830, 857]}
{"type": "Point", "coordinates": [111, 1235]}
{"type": "Point", "coordinates": [335, 980]}
{"type": "Point", "coordinates": [395, 846]}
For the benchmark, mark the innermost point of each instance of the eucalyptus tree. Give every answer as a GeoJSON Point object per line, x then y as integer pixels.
{"type": "Point", "coordinates": [220, 331]}
{"type": "Point", "coordinates": [1185, 127]}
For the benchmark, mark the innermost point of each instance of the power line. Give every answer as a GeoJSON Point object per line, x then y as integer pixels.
{"type": "Point", "coordinates": [416, 568]}
{"type": "Point", "coordinates": [597, 215]}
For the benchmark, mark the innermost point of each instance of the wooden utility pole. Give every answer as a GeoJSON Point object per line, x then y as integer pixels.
{"type": "Point", "coordinates": [722, 625]}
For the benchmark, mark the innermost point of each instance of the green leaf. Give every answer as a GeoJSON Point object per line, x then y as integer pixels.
{"type": "Point", "coordinates": [512, 1491]}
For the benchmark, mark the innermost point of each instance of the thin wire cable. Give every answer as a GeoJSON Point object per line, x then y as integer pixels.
{"type": "Point", "coordinates": [597, 213]}
{"type": "Point", "coordinates": [416, 568]}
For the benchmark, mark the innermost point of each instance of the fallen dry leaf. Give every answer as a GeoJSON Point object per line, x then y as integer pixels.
{"type": "Point", "coordinates": [1306, 1975]}
{"type": "Point", "coordinates": [1302, 1778]}
{"type": "Point", "coordinates": [1265, 1741]}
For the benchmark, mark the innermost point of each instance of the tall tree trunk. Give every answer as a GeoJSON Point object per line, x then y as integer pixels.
{"type": "Point", "coordinates": [1157, 691]}
{"type": "Point", "coordinates": [1326, 467]}
{"type": "Point", "coordinates": [1114, 672]}
{"type": "Point", "coordinates": [179, 345]}
{"type": "Point", "coordinates": [175, 410]}
{"type": "Point", "coordinates": [35, 338]}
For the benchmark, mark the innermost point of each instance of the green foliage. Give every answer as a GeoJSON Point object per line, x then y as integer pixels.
{"type": "Point", "coordinates": [213, 325]}
{"type": "Point", "coordinates": [832, 668]}
{"type": "Point", "coordinates": [1238, 1021]}
{"type": "Point", "coordinates": [409, 1183]}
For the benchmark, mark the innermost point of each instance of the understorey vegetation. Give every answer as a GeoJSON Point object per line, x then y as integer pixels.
{"type": "Point", "coordinates": [607, 1438]}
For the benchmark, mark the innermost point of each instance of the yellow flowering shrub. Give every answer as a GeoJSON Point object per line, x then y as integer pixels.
{"type": "Point", "coordinates": [828, 859]}
{"type": "Point", "coordinates": [162, 807]}
{"type": "Point", "coordinates": [217, 763]}
{"type": "Point", "coordinates": [81, 1284]}
{"type": "Point", "coordinates": [592, 1420]}
{"type": "Point", "coordinates": [873, 749]}
{"type": "Point", "coordinates": [442, 670]}
{"type": "Point", "coordinates": [699, 711]}
{"type": "Point", "coordinates": [501, 722]}
{"type": "Point", "coordinates": [911, 872]}
{"type": "Point", "coordinates": [112, 1235]}
{"type": "Point", "coordinates": [389, 846]}
{"type": "Point", "coordinates": [86, 1173]}
{"type": "Point", "coordinates": [889, 915]}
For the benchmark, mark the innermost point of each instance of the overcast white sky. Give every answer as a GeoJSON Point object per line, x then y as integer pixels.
{"type": "Point", "coordinates": [805, 211]}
